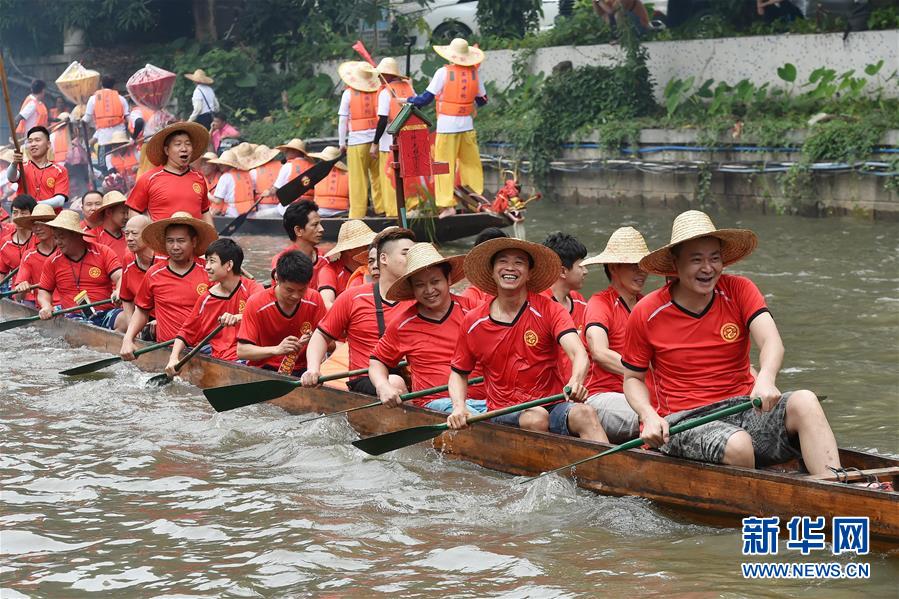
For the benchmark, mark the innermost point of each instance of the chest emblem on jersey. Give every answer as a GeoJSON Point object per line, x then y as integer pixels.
{"type": "Point", "coordinates": [730, 332]}
{"type": "Point", "coordinates": [241, 305]}
{"type": "Point", "coordinates": [197, 188]}
{"type": "Point", "coordinates": [94, 272]}
{"type": "Point", "coordinates": [50, 181]}
{"type": "Point", "coordinates": [306, 181]}
{"type": "Point", "coordinates": [306, 328]}
{"type": "Point", "coordinates": [530, 338]}
{"type": "Point", "coordinates": [201, 288]}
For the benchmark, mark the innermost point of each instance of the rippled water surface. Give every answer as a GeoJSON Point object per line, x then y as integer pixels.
{"type": "Point", "coordinates": [108, 487]}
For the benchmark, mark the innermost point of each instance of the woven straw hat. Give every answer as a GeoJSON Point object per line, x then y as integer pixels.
{"type": "Point", "coordinates": [330, 153]}
{"type": "Point", "coordinates": [209, 156]}
{"type": "Point", "coordinates": [353, 234]}
{"type": "Point", "coordinates": [389, 66]}
{"type": "Point", "coordinates": [119, 137]}
{"type": "Point", "coordinates": [154, 233]}
{"type": "Point", "coordinates": [228, 158]}
{"type": "Point", "coordinates": [113, 198]}
{"type": "Point", "coordinates": [262, 154]}
{"type": "Point", "coordinates": [420, 257]}
{"type": "Point", "coordinates": [41, 213]}
{"type": "Point", "coordinates": [459, 52]}
{"type": "Point", "coordinates": [625, 246]}
{"type": "Point", "coordinates": [294, 144]}
{"type": "Point", "coordinates": [359, 75]}
{"type": "Point", "coordinates": [68, 220]}
{"type": "Point", "coordinates": [200, 76]}
{"type": "Point", "coordinates": [736, 244]}
{"type": "Point", "coordinates": [543, 274]}
{"type": "Point", "coordinates": [7, 155]}
{"type": "Point", "coordinates": [199, 139]}
{"type": "Point", "coordinates": [63, 116]}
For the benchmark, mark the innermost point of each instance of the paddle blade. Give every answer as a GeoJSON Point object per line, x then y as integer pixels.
{"type": "Point", "coordinates": [17, 322]}
{"type": "Point", "coordinates": [159, 380]}
{"type": "Point", "coordinates": [92, 367]}
{"type": "Point", "coordinates": [305, 181]}
{"type": "Point", "coordinates": [234, 225]}
{"type": "Point", "coordinates": [231, 397]}
{"type": "Point", "coordinates": [388, 442]}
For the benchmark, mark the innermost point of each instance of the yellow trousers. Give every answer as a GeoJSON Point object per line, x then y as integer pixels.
{"type": "Point", "coordinates": [388, 191]}
{"type": "Point", "coordinates": [461, 147]}
{"type": "Point", "coordinates": [363, 172]}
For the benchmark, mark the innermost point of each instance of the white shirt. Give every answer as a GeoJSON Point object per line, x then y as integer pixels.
{"type": "Point", "coordinates": [29, 112]}
{"type": "Point", "coordinates": [283, 175]}
{"type": "Point", "coordinates": [203, 100]}
{"type": "Point", "coordinates": [364, 136]}
{"type": "Point", "coordinates": [224, 192]}
{"type": "Point", "coordinates": [105, 134]}
{"type": "Point", "coordinates": [452, 124]}
{"type": "Point", "coordinates": [384, 110]}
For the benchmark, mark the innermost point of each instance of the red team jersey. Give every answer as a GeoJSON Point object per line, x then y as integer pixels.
{"type": "Point", "coordinates": [321, 263]}
{"type": "Point", "coordinates": [132, 277]}
{"type": "Point", "coordinates": [162, 193]}
{"type": "Point", "coordinates": [265, 324]}
{"type": "Point", "coordinates": [578, 308]}
{"type": "Point", "coordinates": [428, 345]}
{"type": "Point", "coordinates": [44, 183]}
{"type": "Point", "coordinates": [476, 295]}
{"type": "Point", "coordinates": [171, 296]}
{"type": "Point", "coordinates": [696, 359]}
{"type": "Point", "coordinates": [30, 270]}
{"type": "Point", "coordinates": [204, 317]}
{"type": "Point", "coordinates": [118, 244]}
{"type": "Point", "coordinates": [334, 276]}
{"type": "Point", "coordinates": [353, 316]}
{"type": "Point", "coordinates": [11, 253]}
{"type": "Point", "coordinates": [609, 312]}
{"type": "Point", "coordinates": [520, 358]}
{"type": "Point", "coordinates": [91, 273]}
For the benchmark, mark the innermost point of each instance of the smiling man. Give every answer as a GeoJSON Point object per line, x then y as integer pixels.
{"type": "Point", "coordinates": [695, 335]}
{"type": "Point", "coordinates": [46, 182]}
{"type": "Point", "coordinates": [173, 186]}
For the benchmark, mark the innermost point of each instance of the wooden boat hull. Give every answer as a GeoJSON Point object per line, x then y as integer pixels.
{"type": "Point", "coordinates": [440, 230]}
{"type": "Point", "coordinates": [720, 493]}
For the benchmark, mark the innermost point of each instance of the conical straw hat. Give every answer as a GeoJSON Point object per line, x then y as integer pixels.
{"type": "Point", "coordinates": [113, 198]}
{"type": "Point", "coordinates": [459, 52]}
{"type": "Point", "coordinates": [625, 246]}
{"type": "Point", "coordinates": [329, 153]}
{"type": "Point", "coordinates": [68, 220]}
{"type": "Point", "coordinates": [294, 144]}
{"type": "Point", "coordinates": [228, 158]}
{"type": "Point", "coordinates": [199, 139]}
{"type": "Point", "coordinates": [478, 269]}
{"type": "Point", "coordinates": [359, 75]}
{"type": "Point", "coordinates": [736, 244]}
{"type": "Point", "coordinates": [353, 234]}
{"type": "Point", "coordinates": [422, 256]}
{"type": "Point", "coordinates": [389, 66]}
{"type": "Point", "coordinates": [119, 137]}
{"type": "Point", "coordinates": [154, 233]}
{"type": "Point", "coordinates": [200, 76]}
{"type": "Point", "coordinates": [209, 156]}
{"type": "Point", "coordinates": [41, 213]}
{"type": "Point", "coordinates": [262, 154]}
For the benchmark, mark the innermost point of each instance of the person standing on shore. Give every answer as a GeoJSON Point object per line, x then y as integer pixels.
{"type": "Point", "coordinates": [203, 100]}
{"type": "Point", "coordinates": [390, 101]}
{"type": "Point", "coordinates": [357, 121]}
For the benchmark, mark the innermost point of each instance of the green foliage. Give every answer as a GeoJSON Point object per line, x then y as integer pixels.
{"type": "Point", "coordinates": [843, 140]}
{"type": "Point", "coordinates": [509, 18]}
{"type": "Point", "coordinates": [886, 17]}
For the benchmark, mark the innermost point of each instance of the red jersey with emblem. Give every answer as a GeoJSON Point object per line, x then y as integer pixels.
{"type": "Point", "coordinates": [171, 296]}
{"type": "Point", "coordinates": [118, 244]}
{"type": "Point", "coordinates": [264, 324]}
{"type": "Point", "coordinates": [428, 345]}
{"type": "Point", "coordinates": [204, 317]}
{"type": "Point", "coordinates": [578, 307]}
{"type": "Point", "coordinates": [30, 270]}
{"type": "Point", "coordinates": [696, 359]}
{"type": "Point", "coordinates": [320, 264]}
{"type": "Point", "coordinates": [609, 312]}
{"type": "Point", "coordinates": [334, 276]}
{"type": "Point", "coordinates": [133, 276]}
{"type": "Point", "coordinates": [44, 183]}
{"type": "Point", "coordinates": [91, 273]}
{"type": "Point", "coordinates": [353, 316]}
{"type": "Point", "coordinates": [161, 193]}
{"type": "Point", "coordinates": [12, 252]}
{"type": "Point", "coordinates": [520, 358]}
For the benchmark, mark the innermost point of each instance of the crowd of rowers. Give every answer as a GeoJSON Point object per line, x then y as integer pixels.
{"type": "Point", "coordinates": [631, 364]}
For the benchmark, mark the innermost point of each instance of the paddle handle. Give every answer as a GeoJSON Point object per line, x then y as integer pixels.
{"type": "Point", "coordinates": [80, 307]}
{"type": "Point", "coordinates": [198, 347]}
{"type": "Point", "coordinates": [155, 346]}
{"type": "Point", "coordinates": [349, 373]}
{"type": "Point", "coordinates": [517, 407]}
{"type": "Point", "coordinates": [432, 390]}
{"type": "Point", "coordinates": [9, 275]}
{"type": "Point", "coordinates": [13, 292]}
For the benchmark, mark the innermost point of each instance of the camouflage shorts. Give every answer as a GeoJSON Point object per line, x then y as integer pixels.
{"type": "Point", "coordinates": [770, 441]}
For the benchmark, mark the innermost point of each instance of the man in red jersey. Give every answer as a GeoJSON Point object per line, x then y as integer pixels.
{"type": "Point", "coordinates": [362, 315]}
{"type": "Point", "coordinates": [304, 228]}
{"type": "Point", "coordinates": [354, 237]}
{"type": "Point", "coordinates": [223, 303]}
{"type": "Point", "coordinates": [278, 322]}
{"type": "Point", "coordinates": [471, 292]}
{"type": "Point", "coordinates": [171, 288]}
{"type": "Point", "coordinates": [606, 318]}
{"type": "Point", "coordinates": [21, 241]}
{"type": "Point", "coordinates": [695, 334]}
{"type": "Point", "coordinates": [79, 266]}
{"type": "Point", "coordinates": [32, 264]}
{"type": "Point", "coordinates": [517, 339]}
{"type": "Point", "coordinates": [140, 258]}
{"type": "Point", "coordinates": [173, 186]}
{"type": "Point", "coordinates": [425, 332]}
{"type": "Point", "coordinates": [46, 182]}
{"type": "Point", "coordinates": [566, 289]}
{"type": "Point", "coordinates": [113, 214]}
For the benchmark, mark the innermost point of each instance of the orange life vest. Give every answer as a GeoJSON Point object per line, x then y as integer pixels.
{"type": "Point", "coordinates": [108, 111]}
{"type": "Point", "coordinates": [333, 192]}
{"type": "Point", "coordinates": [359, 273]}
{"type": "Point", "coordinates": [363, 110]}
{"type": "Point", "coordinates": [402, 89]}
{"type": "Point", "coordinates": [243, 191]}
{"type": "Point", "coordinates": [459, 91]}
{"type": "Point", "coordinates": [298, 166]}
{"type": "Point", "coordinates": [60, 142]}
{"type": "Point", "coordinates": [212, 181]}
{"type": "Point", "coordinates": [265, 178]}
{"type": "Point", "coordinates": [125, 163]}
{"type": "Point", "coordinates": [43, 117]}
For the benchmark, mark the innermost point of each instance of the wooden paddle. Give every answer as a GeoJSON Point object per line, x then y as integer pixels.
{"type": "Point", "coordinates": [8, 276]}
{"type": "Point", "coordinates": [404, 397]}
{"type": "Point", "coordinates": [164, 379]}
{"type": "Point", "coordinates": [11, 324]}
{"type": "Point", "coordinates": [410, 436]}
{"type": "Point", "coordinates": [23, 184]}
{"type": "Point", "coordinates": [677, 428]}
{"type": "Point", "coordinates": [101, 364]}
{"type": "Point", "coordinates": [13, 292]}
{"type": "Point", "coordinates": [231, 397]}
{"type": "Point", "coordinates": [293, 189]}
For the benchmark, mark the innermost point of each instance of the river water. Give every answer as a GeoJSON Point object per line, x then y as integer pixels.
{"type": "Point", "coordinates": [110, 490]}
